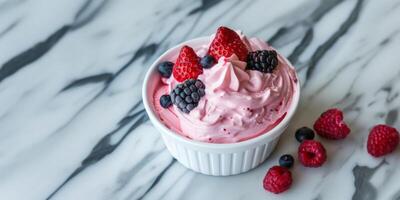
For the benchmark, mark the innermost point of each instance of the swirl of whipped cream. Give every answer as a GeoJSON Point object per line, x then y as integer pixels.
{"type": "Point", "coordinates": [239, 104]}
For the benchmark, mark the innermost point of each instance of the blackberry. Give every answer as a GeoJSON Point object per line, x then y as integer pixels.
{"type": "Point", "coordinates": [286, 160]}
{"type": "Point", "coordinates": [304, 133]}
{"type": "Point", "coordinates": [165, 101]}
{"type": "Point", "coordinates": [207, 61]}
{"type": "Point", "coordinates": [186, 95]}
{"type": "Point", "coordinates": [262, 60]}
{"type": "Point", "coordinates": [165, 69]}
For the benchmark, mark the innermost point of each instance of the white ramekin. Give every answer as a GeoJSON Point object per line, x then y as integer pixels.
{"type": "Point", "coordinates": [209, 158]}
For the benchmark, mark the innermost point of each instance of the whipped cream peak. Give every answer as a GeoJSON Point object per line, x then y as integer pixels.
{"type": "Point", "coordinates": [227, 74]}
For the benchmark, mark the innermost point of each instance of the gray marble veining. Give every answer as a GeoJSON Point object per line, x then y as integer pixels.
{"type": "Point", "coordinates": [72, 124]}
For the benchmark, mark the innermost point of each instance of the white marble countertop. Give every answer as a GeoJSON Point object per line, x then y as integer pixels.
{"type": "Point", "coordinates": [72, 125]}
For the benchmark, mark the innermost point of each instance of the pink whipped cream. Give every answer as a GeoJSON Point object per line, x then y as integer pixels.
{"type": "Point", "coordinates": [238, 105]}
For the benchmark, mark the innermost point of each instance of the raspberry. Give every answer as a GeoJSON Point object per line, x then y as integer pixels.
{"type": "Point", "coordinates": [278, 179]}
{"type": "Point", "coordinates": [382, 140]}
{"type": "Point", "coordinates": [263, 60]}
{"type": "Point", "coordinates": [227, 42]}
{"type": "Point", "coordinates": [187, 65]}
{"type": "Point", "coordinates": [330, 125]}
{"type": "Point", "coordinates": [312, 153]}
{"type": "Point", "coordinates": [186, 96]}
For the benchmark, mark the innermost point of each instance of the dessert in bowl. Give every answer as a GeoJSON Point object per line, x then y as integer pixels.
{"type": "Point", "coordinates": [221, 102]}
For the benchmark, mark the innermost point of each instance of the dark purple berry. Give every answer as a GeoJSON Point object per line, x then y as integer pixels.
{"type": "Point", "coordinates": [186, 96]}
{"type": "Point", "coordinates": [262, 60]}
{"type": "Point", "coordinates": [207, 61]}
{"type": "Point", "coordinates": [286, 160]}
{"type": "Point", "coordinates": [304, 133]}
{"type": "Point", "coordinates": [165, 101]}
{"type": "Point", "coordinates": [165, 69]}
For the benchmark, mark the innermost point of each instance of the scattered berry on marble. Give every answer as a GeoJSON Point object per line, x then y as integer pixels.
{"type": "Point", "coordinates": [304, 133]}
{"type": "Point", "coordinates": [165, 69]}
{"type": "Point", "coordinates": [286, 160]}
{"type": "Point", "coordinates": [207, 61]}
{"type": "Point", "coordinates": [186, 96]}
{"type": "Point", "coordinates": [227, 42]}
{"type": "Point", "coordinates": [382, 140]}
{"type": "Point", "coordinates": [277, 180]}
{"type": "Point", "coordinates": [312, 153]}
{"type": "Point", "coordinates": [262, 60]}
{"type": "Point", "coordinates": [187, 65]}
{"type": "Point", "coordinates": [330, 125]}
{"type": "Point", "coordinates": [165, 101]}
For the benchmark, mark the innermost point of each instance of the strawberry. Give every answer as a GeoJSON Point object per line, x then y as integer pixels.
{"type": "Point", "coordinates": [382, 140]}
{"type": "Point", "coordinates": [187, 66]}
{"type": "Point", "coordinates": [227, 42]}
{"type": "Point", "coordinates": [330, 125]}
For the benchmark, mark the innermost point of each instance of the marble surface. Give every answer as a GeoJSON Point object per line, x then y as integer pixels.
{"type": "Point", "coordinates": [72, 124]}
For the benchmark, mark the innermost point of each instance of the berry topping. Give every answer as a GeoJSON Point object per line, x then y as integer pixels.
{"type": "Point", "coordinates": [186, 96]}
{"type": "Point", "coordinates": [263, 60]}
{"type": "Point", "coordinates": [165, 69]}
{"type": "Point", "coordinates": [165, 101]}
{"type": "Point", "coordinates": [207, 61]}
{"type": "Point", "coordinates": [286, 161]}
{"type": "Point", "coordinates": [312, 153]}
{"type": "Point", "coordinates": [227, 42]}
{"type": "Point", "coordinates": [304, 133]}
{"type": "Point", "coordinates": [382, 140]}
{"type": "Point", "coordinates": [187, 65]}
{"type": "Point", "coordinates": [277, 180]}
{"type": "Point", "coordinates": [330, 125]}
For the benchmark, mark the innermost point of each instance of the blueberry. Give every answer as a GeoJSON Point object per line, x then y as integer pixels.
{"type": "Point", "coordinates": [165, 69]}
{"type": "Point", "coordinates": [286, 161]}
{"type": "Point", "coordinates": [207, 61]}
{"type": "Point", "coordinates": [165, 101]}
{"type": "Point", "coordinates": [304, 133]}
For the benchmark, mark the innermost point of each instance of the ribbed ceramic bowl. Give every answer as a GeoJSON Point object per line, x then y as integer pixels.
{"type": "Point", "coordinates": [209, 158]}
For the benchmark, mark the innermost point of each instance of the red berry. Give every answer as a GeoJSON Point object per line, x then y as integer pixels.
{"type": "Point", "coordinates": [330, 125]}
{"type": "Point", "coordinates": [226, 43]}
{"type": "Point", "coordinates": [187, 65]}
{"type": "Point", "coordinates": [382, 140]}
{"type": "Point", "coordinates": [278, 179]}
{"type": "Point", "coordinates": [312, 153]}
